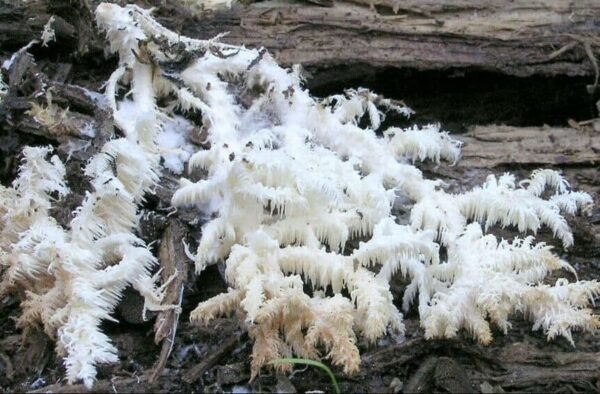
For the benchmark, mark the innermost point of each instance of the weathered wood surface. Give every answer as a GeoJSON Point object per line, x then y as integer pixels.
{"type": "Point", "coordinates": [491, 146]}
{"type": "Point", "coordinates": [547, 37]}
{"type": "Point", "coordinates": [543, 37]}
{"type": "Point", "coordinates": [450, 366]}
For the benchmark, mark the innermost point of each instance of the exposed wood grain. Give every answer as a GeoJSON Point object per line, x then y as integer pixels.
{"type": "Point", "coordinates": [491, 146]}
{"type": "Point", "coordinates": [520, 365]}
{"type": "Point", "coordinates": [521, 37]}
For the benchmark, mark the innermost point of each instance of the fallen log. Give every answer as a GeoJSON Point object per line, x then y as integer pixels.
{"type": "Point", "coordinates": [492, 146]}
{"type": "Point", "coordinates": [522, 38]}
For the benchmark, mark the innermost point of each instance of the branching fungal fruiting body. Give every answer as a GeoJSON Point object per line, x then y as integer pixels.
{"type": "Point", "coordinates": [73, 278]}
{"type": "Point", "coordinates": [291, 180]}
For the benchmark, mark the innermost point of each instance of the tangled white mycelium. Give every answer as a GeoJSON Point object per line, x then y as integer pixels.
{"type": "Point", "coordinates": [291, 179]}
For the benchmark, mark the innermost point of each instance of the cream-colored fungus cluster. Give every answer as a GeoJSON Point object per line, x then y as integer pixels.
{"type": "Point", "coordinates": [292, 181]}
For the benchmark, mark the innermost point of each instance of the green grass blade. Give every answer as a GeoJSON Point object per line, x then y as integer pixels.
{"type": "Point", "coordinates": [312, 363]}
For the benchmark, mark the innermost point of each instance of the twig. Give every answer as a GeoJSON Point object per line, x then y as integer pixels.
{"type": "Point", "coordinates": [166, 323]}
{"type": "Point", "coordinates": [197, 371]}
{"type": "Point", "coordinates": [101, 386]}
{"type": "Point", "coordinates": [588, 50]}
{"type": "Point", "coordinates": [562, 50]}
{"type": "Point", "coordinates": [10, 370]}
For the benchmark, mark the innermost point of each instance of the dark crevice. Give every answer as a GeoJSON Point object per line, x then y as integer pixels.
{"type": "Point", "coordinates": [459, 99]}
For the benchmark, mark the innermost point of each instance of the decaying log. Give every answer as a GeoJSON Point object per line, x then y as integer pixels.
{"type": "Point", "coordinates": [543, 37]}
{"type": "Point", "coordinates": [491, 146]}
{"type": "Point", "coordinates": [457, 366]}
{"type": "Point", "coordinates": [546, 37]}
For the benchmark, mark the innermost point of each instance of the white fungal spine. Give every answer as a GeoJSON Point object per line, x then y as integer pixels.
{"type": "Point", "coordinates": [75, 277]}
{"type": "Point", "coordinates": [294, 183]}
{"type": "Point", "coordinates": [292, 179]}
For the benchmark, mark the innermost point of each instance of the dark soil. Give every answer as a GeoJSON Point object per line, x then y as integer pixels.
{"type": "Point", "coordinates": [216, 358]}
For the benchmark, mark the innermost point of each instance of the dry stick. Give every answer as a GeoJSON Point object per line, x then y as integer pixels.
{"type": "Point", "coordinates": [587, 46]}
{"type": "Point", "coordinates": [419, 381]}
{"type": "Point", "coordinates": [167, 346]}
{"type": "Point", "coordinates": [67, 124]}
{"type": "Point", "coordinates": [197, 371]}
{"type": "Point", "coordinates": [101, 386]}
{"type": "Point", "coordinates": [172, 260]}
{"type": "Point", "coordinates": [10, 370]}
{"type": "Point", "coordinates": [562, 50]}
{"type": "Point", "coordinates": [588, 50]}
